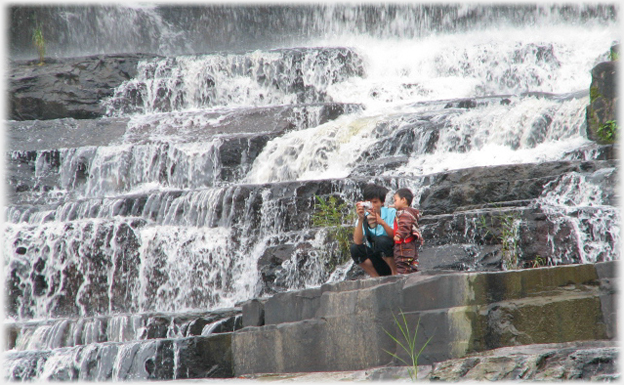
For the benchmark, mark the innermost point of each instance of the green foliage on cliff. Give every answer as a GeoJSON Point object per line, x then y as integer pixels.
{"type": "Point", "coordinates": [608, 132]}
{"type": "Point", "coordinates": [507, 235]}
{"type": "Point", "coordinates": [331, 215]}
{"type": "Point", "coordinates": [39, 41]}
{"type": "Point", "coordinates": [614, 55]}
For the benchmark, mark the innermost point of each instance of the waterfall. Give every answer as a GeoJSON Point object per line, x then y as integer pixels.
{"type": "Point", "coordinates": [194, 193]}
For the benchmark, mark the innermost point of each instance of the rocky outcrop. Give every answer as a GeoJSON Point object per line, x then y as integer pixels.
{"type": "Point", "coordinates": [463, 222]}
{"type": "Point", "coordinates": [602, 110]}
{"type": "Point", "coordinates": [67, 88]}
{"type": "Point", "coordinates": [587, 360]}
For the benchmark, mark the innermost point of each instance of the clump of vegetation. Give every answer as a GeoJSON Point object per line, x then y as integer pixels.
{"type": "Point", "coordinates": [407, 342]}
{"type": "Point", "coordinates": [331, 215]}
{"type": "Point", "coordinates": [607, 133]}
{"type": "Point", "coordinates": [507, 236]}
{"type": "Point", "coordinates": [614, 55]}
{"type": "Point", "coordinates": [39, 41]}
{"type": "Point", "coordinates": [539, 262]}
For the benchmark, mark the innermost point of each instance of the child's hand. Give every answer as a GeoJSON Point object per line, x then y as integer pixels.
{"type": "Point", "coordinates": [397, 238]}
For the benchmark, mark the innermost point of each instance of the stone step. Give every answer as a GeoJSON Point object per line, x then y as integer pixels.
{"type": "Point", "coordinates": [68, 332]}
{"type": "Point", "coordinates": [456, 332]}
{"type": "Point", "coordinates": [420, 291]}
{"type": "Point", "coordinates": [345, 329]}
{"type": "Point", "coordinates": [158, 359]}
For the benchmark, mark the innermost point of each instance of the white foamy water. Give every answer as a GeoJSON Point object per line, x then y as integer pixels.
{"type": "Point", "coordinates": [576, 206]}
{"type": "Point", "coordinates": [506, 61]}
{"type": "Point", "coordinates": [487, 62]}
{"type": "Point", "coordinates": [321, 152]}
{"type": "Point", "coordinates": [529, 131]}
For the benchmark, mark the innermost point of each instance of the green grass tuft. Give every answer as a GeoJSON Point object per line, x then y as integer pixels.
{"type": "Point", "coordinates": [407, 342]}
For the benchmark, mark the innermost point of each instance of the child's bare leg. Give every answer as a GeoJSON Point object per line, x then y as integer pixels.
{"type": "Point", "coordinates": [368, 267]}
{"type": "Point", "coordinates": [390, 262]}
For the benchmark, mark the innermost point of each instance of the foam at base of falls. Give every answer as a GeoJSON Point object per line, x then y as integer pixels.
{"type": "Point", "coordinates": [102, 267]}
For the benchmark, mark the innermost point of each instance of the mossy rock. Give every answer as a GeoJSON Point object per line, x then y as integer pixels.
{"type": "Point", "coordinates": [602, 124]}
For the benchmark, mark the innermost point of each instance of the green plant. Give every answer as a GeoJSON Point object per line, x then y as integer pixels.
{"type": "Point", "coordinates": [608, 131]}
{"type": "Point", "coordinates": [39, 41]}
{"type": "Point", "coordinates": [614, 55]}
{"type": "Point", "coordinates": [408, 344]}
{"type": "Point", "coordinates": [539, 262]}
{"type": "Point", "coordinates": [509, 239]}
{"type": "Point", "coordinates": [332, 215]}
{"type": "Point", "coordinates": [507, 236]}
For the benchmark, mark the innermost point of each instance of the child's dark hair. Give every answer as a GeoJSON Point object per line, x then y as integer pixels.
{"type": "Point", "coordinates": [372, 191]}
{"type": "Point", "coordinates": [405, 193]}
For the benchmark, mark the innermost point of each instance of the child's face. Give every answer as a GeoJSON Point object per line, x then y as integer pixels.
{"type": "Point", "coordinates": [399, 203]}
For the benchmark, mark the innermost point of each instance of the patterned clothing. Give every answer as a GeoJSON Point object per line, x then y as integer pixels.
{"type": "Point", "coordinates": [406, 248]}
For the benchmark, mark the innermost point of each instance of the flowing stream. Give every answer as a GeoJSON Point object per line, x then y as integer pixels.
{"type": "Point", "coordinates": [223, 132]}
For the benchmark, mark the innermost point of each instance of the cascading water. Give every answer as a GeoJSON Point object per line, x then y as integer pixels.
{"type": "Point", "coordinates": [203, 198]}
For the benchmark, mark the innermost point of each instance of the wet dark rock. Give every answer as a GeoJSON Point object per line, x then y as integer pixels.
{"type": "Point", "coordinates": [272, 259]}
{"type": "Point", "coordinates": [465, 103]}
{"type": "Point", "coordinates": [274, 276]}
{"type": "Point", "coordinates": [29, 367]}
{"type": "Point", "coordinates": [90, 273]}
{"type": "Point", "coordinates": [589, 361]}
{"type": "Point", "coordinates": [542, 54]}
{"type": "Point", "coordinates": [253, 312]}
{"type": "Point", "coordinates": [67, 88]}
{"type": "Point", "coordinates": [205, 357]}
{"type": "Point", "coordinates": [595, 152]}
{"type": "Point", "coordinates": [449, 191]}
{"type": "Point", "coordinates": [228, 325]}
{"type": "Point", "coordinates": [460, 257]}
{"type": "Point", "coordinates": [398, 138]}
{"type": "Point", "coordinates": [87, 330]}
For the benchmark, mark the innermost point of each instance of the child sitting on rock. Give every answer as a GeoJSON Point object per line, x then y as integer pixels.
{"type": "Point", "coordinates": [407, 236]}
